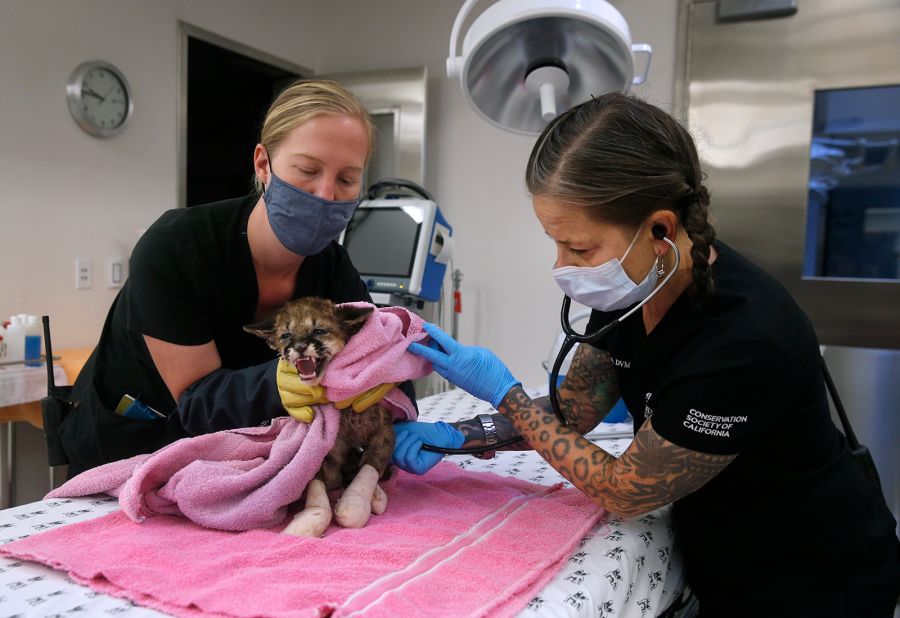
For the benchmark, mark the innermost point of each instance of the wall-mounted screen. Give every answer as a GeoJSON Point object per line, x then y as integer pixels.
{"type": "Point", "coordinates": [853, 211]}
{"type": "Point", "coordinates": [382, 241]}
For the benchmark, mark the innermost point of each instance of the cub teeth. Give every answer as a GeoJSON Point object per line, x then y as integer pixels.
{"type": "Point", "coordinates": [306, 367]}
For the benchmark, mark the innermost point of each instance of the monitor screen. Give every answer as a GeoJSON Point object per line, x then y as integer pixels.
{"type": "Point", "coordinates": [853, 208]}
{"type": "Point", "coordinates": [382, 241]}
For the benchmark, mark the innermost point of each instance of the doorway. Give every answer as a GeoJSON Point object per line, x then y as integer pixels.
{"type": "Point", "coordinates": [226, 88]}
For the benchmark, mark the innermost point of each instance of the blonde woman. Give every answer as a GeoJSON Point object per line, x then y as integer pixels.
{"type": "Point", "coordinates": [173, 338]}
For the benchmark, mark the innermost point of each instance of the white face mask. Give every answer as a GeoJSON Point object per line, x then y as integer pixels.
{"type": "Point", "coordinates": [605, 287]}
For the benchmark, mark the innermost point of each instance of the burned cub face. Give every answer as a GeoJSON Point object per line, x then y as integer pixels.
{"type": "Point", "coordinates": [309, 332]}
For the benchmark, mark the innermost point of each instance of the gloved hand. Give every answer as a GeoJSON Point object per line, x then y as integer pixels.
{"type": "Point", "coordinates": [297, 397]}
{"type": "Point", "coordinates": [367, 399]}
{"type": "Point", "coordinates": [408, 454]}
{"type": "Point", "coordinates": [476, 370]}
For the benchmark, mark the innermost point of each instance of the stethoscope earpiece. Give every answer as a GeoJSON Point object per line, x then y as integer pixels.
{"type": "Point", "coordinates": [659, 231]}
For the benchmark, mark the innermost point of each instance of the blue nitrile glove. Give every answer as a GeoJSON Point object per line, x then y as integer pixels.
{"type": "Point", "coordinates": [476, 370]}
{"type": "Point", "coordinates": [408, 454]}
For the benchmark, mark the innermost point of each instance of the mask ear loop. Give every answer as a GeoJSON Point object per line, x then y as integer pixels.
{"type": "Point", "coordinates": [271, 171]}
{"type": "Point", "coordinates": [659, 233]}
{"type": "Point", "coordinates": [633, 240]}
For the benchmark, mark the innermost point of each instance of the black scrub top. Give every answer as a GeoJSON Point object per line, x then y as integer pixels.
{"type": "Point", "coordinates": [191, 280]}
{"type": "Point", "coordinates": [792, 527]}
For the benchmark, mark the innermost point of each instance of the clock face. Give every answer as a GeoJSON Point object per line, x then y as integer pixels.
{"type": "Point", "coordinates": [104, 99]}
{"type": "Point", "coordinates": [99, 98]}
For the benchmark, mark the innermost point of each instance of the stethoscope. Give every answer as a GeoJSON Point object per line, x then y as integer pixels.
{"type": "Point", "coordinates": [571, 338]}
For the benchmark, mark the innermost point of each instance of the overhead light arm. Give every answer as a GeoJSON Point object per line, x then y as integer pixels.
{"type": "Point", "coordinates": [454, 64]}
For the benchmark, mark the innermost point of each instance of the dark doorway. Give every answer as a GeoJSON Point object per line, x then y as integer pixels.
{"type": "Point", "coordinates": [228, 94]}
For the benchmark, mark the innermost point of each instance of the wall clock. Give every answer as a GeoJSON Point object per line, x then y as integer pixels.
{"type": "Point", "coordinates": [99, 98]}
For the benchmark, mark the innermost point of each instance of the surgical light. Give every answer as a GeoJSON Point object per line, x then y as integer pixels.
{"type": "Point", "coordinates": [523, 61]}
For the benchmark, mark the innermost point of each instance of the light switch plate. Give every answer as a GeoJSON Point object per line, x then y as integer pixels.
{"type": "Point", "coordinates": [115, 272]}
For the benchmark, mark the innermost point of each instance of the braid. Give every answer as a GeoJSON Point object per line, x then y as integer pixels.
{"type": "Point", "coordinates": [695, 219]}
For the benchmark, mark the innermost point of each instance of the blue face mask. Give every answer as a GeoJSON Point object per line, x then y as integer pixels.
{"type": "Point", "coordinates": [304, 223]}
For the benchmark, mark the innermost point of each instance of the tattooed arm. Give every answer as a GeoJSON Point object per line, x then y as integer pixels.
{"type": "Point", "coordinates": [590, 388]}
{"type": "Point", "coordinates": [653, 471]}
{"type": "Point", "coordinates": [588, 392]}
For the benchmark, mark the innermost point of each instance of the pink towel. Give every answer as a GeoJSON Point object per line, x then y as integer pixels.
{"type": "Point", "coordinates": [229, 480]}
{"type": "Point", "coordinates": [377, 354]}
{"type": "Point", "coordinates": [243, 479]}
{"type": "Point", "coordinates": [453, 543]}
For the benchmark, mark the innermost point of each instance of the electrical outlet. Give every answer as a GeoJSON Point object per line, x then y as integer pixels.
{"type": "Point", "coordinates": [115, 274]}
{"type": "Point", "coordinates": [84, 273]}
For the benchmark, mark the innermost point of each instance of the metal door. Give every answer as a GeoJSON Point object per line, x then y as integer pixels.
{"type": "Point", "coordinates": [753, 94]}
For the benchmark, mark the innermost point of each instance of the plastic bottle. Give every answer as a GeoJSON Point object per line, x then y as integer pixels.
{"type": "Point", "coordinates": [15, 340]}
{"type": "Point", "coordinates": [3, 344]}
{"type": "Point", "coordinates": [33, 342]}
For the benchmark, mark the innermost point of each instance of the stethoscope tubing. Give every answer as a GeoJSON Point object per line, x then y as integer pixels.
{"type": "Point", "coordinates": [571, 338]}
{"type": "Point", "coordinates": [474, 450]}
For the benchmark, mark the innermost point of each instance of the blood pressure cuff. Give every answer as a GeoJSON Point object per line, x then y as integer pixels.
{"type": "Point", "coordinates": [230, 398]}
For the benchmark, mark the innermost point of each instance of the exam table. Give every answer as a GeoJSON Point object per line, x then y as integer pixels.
{"type": "Point", "coordinates": [624, 568]}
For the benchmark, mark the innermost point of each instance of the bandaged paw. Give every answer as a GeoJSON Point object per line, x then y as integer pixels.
{"type": "Point", "coordinates": [315, 517]}
{"type": "Point", "coordinates": [357, 503]}
{"type": "Point", "coordinates": [379, 501]}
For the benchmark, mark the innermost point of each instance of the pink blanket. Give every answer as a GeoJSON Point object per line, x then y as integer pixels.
{"type": "Point", "coordinates": [453, 543]}
{"type": "Point", "coordinates": [229, 480]}
{"type": "Point", "coordinates": [243, 479]}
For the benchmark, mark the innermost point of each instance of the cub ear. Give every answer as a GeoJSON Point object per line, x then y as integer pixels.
{"type": "Point", "coordinates": [353, 318]}
{"type": "Point", "coordinates": [264, 329]}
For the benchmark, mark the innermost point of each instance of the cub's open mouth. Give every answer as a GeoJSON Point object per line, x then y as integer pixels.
{"type": "Point", "coordinates": [309, 367]}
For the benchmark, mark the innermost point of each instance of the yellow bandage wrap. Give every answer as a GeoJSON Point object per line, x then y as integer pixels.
{"type": "Point", "coordinates": [298, 397]}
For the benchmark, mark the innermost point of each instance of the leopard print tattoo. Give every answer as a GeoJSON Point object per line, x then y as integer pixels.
{"type": "Point", "coordinates": [653, 472]}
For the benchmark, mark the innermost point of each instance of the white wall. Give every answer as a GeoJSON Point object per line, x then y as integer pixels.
{"type": "Point", "coordinates": [476, 172]}
{"type": "Point", "coordinates": [69, 195]}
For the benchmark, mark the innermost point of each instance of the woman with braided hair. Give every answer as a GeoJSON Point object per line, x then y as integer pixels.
{"type": "Point", "coordinates": [720, 370]}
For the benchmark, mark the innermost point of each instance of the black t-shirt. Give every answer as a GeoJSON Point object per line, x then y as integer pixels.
{"type": "Point", "coordinates": [191, 280]}
{"type": "Point", "coordinates": [792, 521]}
